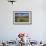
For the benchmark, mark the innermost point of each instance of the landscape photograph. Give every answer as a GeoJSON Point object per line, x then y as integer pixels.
{"type": "Point", "coordinates": [21, 17]}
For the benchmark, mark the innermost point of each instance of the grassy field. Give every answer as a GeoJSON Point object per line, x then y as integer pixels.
{"type": "Point", "coordinates": [21, 18]}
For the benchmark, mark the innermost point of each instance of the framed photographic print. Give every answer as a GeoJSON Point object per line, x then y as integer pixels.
{"type": "Point", "coordinates": [22, 17]}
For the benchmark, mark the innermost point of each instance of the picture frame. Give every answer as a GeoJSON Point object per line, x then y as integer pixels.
{"type": "Point", "coordinates": [22, 17]}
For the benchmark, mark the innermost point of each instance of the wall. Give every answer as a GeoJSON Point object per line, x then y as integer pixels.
{"type": "Point", "coordinates": [9, 31]}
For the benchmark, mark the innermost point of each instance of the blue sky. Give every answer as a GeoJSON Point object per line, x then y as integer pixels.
{"type": "Point", "coordinates": [22, 14]}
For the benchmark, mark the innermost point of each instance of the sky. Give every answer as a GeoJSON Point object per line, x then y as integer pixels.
{"type": "Point", "coordinates": [21, 14]}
